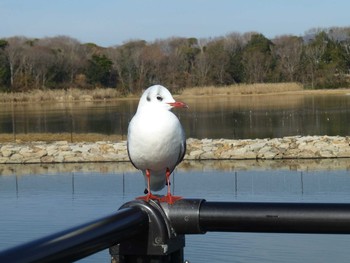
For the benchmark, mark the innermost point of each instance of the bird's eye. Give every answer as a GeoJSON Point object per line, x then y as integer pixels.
{"type": "Point", "coordinates": [159, 98]}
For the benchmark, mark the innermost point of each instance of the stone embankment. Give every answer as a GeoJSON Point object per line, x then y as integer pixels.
{"type": "Point", "coordinates": [295, 147]}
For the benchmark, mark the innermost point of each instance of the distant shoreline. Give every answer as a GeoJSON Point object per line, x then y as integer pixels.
{"type": "Point", "coordinates": [109, 94]}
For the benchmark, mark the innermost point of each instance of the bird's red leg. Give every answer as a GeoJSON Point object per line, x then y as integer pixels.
{"type": "Point", "coordinates": [149, 194]}
{"type": "Point", "coordinates": [169, 198]}
{"type": "Point", "coordinates": [148, 175]}
{"type": "Point", "coordinates": [168, 180]}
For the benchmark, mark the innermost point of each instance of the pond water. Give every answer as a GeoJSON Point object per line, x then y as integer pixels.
{"type": "Point", "coordinates": [239, 117]}
{"type": "Point", "coordinates": [37, 200]}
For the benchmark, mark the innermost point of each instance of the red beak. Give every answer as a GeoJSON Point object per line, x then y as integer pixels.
{"type": "Point", "coordinates": [178, 104]}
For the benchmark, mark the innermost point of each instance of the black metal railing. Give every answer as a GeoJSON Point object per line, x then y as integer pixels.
{"type": "Point", "coordinates": [80, 241]}
{"type": "Point", "coordinates": [276, 217]}
{"type": "Point", "coordinates": [144, 231]}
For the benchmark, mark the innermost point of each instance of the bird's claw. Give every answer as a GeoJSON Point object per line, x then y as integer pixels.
{"type": "Point", "coordinates": [149, 196]}
{"type": "Point", "coordinates": [170, 199]}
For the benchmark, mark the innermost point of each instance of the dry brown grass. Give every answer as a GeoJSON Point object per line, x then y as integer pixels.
{"type": "Point", "coordinates": [60, 95]}
{"type": "Point", "coordinates": [50, 137]}
{"type": "Point", "coordinates": [243, 89]}
{"type": "Point", "coordinates": [74, 94]}
{"type": "Point", "coordinates": [98, 94]}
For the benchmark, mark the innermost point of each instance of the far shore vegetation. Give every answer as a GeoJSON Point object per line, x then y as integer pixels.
{"type": "Point", "coordinates": [61, 68]}
{"type": "Point", "coordinates": [106, 94]}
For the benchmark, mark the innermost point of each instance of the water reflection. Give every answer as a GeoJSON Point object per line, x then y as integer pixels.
{"type": "Point", "coordinates": [269, 116]}
{"type": "Point", "coordinates": [224, 117]}
{"type": "Point", "coordinates": [185, 166]}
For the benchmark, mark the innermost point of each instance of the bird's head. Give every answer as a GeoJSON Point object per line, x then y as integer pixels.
{"type": "Point", "coordinates": [159, 97]}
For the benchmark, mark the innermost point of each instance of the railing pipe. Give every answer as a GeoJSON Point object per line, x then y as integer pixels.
{"type": "Point", "coordinates": [325, 218]}
{"type": "Point", "coordinates": [81, 241]}
{"type": "Point", "coordinates": [197, 216]}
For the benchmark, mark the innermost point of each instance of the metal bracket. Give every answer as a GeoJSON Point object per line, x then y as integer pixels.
{"type": "Point", "coordinates": [160, 238]}
{"type": "Point", "coordinates": [184, 215]}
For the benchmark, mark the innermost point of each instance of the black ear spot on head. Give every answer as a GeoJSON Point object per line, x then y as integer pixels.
{"type": "Point", "coordinates": [148, 98]}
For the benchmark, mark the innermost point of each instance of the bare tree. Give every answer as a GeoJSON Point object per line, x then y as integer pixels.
{"type": "Point", "coordinates": [14, 52]}
{"type": "Point", "coordinates": [129, 64]}
{"type": "Point", "coordinates": [174, 62]}
{"type": "Point", "coordinates": [70, 55]}
{"type": "Point", "coordinates": [201, 65]}
{"type": "Point", "coordinates": [256, 66]}
{"type": "Point", "coordinates": [42, 59]}
{"type": "Point", "coordinates": [288, 50]}
{"type": "Point", "coordinates": [153, 59]}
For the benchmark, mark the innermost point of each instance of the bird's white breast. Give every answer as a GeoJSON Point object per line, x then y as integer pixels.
{"type": "Point", "coordinates": [154, 140]}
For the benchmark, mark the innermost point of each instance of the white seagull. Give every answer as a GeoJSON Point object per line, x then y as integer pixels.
{"type": "Point", "coordinates": [156, 140]}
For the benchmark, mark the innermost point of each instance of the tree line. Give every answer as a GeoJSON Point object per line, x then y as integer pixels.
{"type": "Point", "coordinates": [318, 59]}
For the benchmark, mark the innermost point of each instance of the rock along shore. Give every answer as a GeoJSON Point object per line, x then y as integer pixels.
{"type": "Point", "coordinates": [294, 147]}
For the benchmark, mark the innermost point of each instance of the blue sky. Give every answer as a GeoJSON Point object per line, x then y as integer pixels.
{"type": "Point", "coordinates": [112, 22]}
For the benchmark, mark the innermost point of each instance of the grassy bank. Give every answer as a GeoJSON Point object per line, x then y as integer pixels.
{"type": "Point", "coordinates": [111, 94]}
{"type": "Point", "coordinates": [243, 89]}
{"type": "Point", "coordinates": [99, 94]}
{"type": "Point", "coordinates": [61, 95]}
